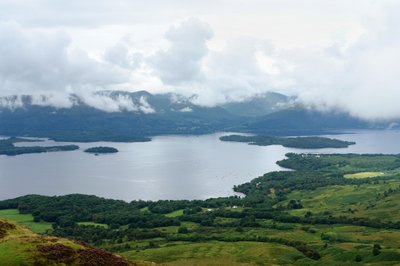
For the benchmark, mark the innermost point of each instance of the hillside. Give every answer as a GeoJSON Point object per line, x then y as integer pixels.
{"type": "Point", "coordinates": [259, 105]}
{"type": "Point", "coordinates": [20, 246]}
{"type": "Point", "coordinates": [301, 121]}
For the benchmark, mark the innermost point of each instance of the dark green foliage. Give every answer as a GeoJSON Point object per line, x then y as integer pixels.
{"type": "Point", "coordinates": [340, 163]}
{"type": "Point", "coordinates": [101, 149]}
{"type": "Point", "coordinates": [183, 230]}
{"type": "Point", "coordinates": [7, 147]}
{"type": "Point", "coordinates": [376, 250]}
{"type": "Point", "coordinates": [294, 204]}
{"type": "Point", "coordinates": [93, 234]}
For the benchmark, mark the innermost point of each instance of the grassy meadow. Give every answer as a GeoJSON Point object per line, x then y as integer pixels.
{"type": "Point", "coordinates": [27, 220]}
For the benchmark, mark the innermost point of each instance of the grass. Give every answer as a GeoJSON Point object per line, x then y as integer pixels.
{"type": "Point", "coordinates": [174, 213]}
{"type": "Point", "coordinates": [144, 209]}
{"type": "Point", "coordinates": [351, 200]}
{"type": "Point", "coordinates": [219, 253]}
{"type": "Point", "coordinates": [364, 175]}
{"type": "Point", "coordinates": [26, 219]}
{"type": "Point", "coordinates": [20, 246]}
{"type": "Point", "coordinates": [14, 252]}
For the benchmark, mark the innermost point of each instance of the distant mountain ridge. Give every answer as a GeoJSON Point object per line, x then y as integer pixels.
{"type": "Point", "coordinates": [300, 121]}
{"type": "Point", "coordinates": [145, 102]}
{"type": "Point", "coordinates": [134, 116]}
{"type": "Point", "coordinates": [259, 105]}
{"type": "Point", "coordinates": [111, 115]}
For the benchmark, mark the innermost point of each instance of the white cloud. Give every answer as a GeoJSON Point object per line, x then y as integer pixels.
{"type": "Point", "coordinates": [35, 62]}
{"type": "Point", "coordinates": [362, 79]}
{"type": "Point", "coordinates": [327, 52]}
{"type": "Point", "coordinates": [181, 62]}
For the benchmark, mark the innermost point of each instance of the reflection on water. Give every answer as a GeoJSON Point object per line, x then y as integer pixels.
{"type": "Point", "coordinates": [169, 167]}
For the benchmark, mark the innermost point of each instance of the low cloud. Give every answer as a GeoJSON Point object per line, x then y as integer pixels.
{"type": "Point", "coordinates": [359, 77]}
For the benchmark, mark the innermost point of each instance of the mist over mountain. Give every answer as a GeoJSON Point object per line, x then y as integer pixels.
{"type": "Point", "coordinates": [131, 116]}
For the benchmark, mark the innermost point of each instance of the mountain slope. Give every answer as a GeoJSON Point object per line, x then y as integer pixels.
{"type": "Point", "coordinates": [259, 105]}
{"type": "Point", "coordinates": [140, 114]}
{"type": "Point", "coordinates": [135, 116]}
{"type": "Point", "coordinates": [300, 121]}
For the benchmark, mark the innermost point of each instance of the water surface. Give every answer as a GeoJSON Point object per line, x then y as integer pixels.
{"type": "Point", "coordinates": [169, 167]}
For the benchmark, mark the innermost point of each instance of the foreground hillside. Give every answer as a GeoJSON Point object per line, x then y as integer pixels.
{"type": "Point", "coordinates": [329, 210]}
{"type": "Point", "coordinates": [20, 246]}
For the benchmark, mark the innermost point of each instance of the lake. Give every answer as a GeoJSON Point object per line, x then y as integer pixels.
{"type": "Point", "coordinates": [168, 167]}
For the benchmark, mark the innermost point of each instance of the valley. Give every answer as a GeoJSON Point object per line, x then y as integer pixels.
{"type": "Point", "coordinates": [312, 215]}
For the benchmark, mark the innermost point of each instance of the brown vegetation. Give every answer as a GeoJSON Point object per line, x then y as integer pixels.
{"type": "Point", "coordinates": [89, 256]}
{"type": "Point", "coordinates": [4, 227]}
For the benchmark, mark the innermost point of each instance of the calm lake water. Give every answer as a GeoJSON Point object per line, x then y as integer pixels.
{"type": "Point", "coordinates": [169, 167]}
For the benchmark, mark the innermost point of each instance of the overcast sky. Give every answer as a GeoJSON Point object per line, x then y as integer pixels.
{"type": "Point", "coordinates": [332, 54]}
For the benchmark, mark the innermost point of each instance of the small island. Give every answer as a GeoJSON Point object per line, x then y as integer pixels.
{"type": "Point", "coordinates": [101, 149]}
{"type": "Point", "coordinates": [7, 147]}
{"type": "Point", "coordinates": [296, 142]}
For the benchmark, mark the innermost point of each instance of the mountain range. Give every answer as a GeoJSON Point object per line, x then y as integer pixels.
{"type": "Point", "coordinates": [135, 116]}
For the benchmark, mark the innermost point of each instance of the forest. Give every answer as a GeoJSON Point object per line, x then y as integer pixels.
{"type": "Point", "coordinates": [101, 149]}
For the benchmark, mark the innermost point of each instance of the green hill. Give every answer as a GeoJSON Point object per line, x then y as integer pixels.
{"type": "Point", "coordinates": [20, 246]}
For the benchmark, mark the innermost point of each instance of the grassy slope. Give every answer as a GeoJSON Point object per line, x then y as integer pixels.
{"type": "Point", "coordinates": [20, 246]}
{"type": "Point", "coordinates": [351, 201]}
{"type": "Point", "coordinates": [221, 253]}
{"type": "Point", "coordinates": [174, 213]}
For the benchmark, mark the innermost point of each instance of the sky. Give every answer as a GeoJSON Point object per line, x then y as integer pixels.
{"type": "Point", "coordinates": [333, 55]}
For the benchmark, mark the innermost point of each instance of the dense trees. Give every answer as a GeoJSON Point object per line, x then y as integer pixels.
{"type": "Point", "coordinates": [101, 149]}
{"type": "Point", "coordinates": [298, 142]}
{"type": "Point", "coordinates": [7, 147]}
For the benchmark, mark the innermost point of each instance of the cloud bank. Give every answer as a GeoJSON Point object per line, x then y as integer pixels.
{"type": "Point", "coordinates": [358, 75]}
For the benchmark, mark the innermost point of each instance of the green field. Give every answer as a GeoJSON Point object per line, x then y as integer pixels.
{"type": "Point", "coordinates": [174, 213]}
{"type": "Point", "coordinates": [220, 253]}
{"type": "Point", "coordinates": [27, 220]}
{"type": "Point", "coordinates": [364, 175]}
